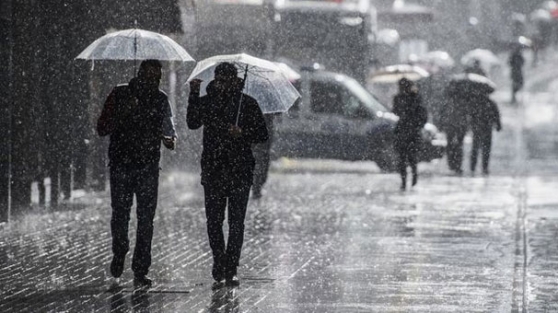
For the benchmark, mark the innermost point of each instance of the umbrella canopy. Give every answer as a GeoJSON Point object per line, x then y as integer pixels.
{"type": "Point", "coordinates": [135, 44]}
{"type": "Point", "coordinates": [486, 57]}
{"type": "Point", "coordinates": [441, 59]}
{"type": "Point", "coordinates": [467, 84]}
{"type": "Point", "coordinates": [394, 73]}
{"type": "Point", "coordinates": [265, 81]}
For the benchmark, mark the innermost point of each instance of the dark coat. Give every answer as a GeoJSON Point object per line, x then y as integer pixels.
{"type": "Point", "coordinates": [133, 117]}
{"type": "Point", "coordinates": [226, 162]}
{"type": "Point", "coordinates": [412, 117]}
{"type": "Point", "coordinates": [484, 115]}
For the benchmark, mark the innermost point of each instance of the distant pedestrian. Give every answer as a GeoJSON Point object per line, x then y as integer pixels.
{"type": "Point", "coordinates": [407, 105]}
{"type": "Point", "coordinates": [476, 68]}
{"type": "Point", "coordinates": [484, 117]}
{"type": "Point", "coordinates": [227, 161]}
{"type": "Point", "coordinates": [137, 116]}
{"type": "Point", "coordinates": [454, 122]}
{"type": "Point", "coordinates": [262, 154]}
{"type": "Point", "coordinates": [516, 62]}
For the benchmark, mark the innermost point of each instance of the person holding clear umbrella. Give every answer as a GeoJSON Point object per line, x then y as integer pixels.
{"type": "Point", "coordinates": [138, 117]}
{"type": "Point", "coordinates": [227, 160]}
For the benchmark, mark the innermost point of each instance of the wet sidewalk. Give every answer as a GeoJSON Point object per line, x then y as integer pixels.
{"type": "Point", "coordinates": [319, 241]}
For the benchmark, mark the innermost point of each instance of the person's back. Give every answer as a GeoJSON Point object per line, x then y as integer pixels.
{"type": "Point", "coordinates": [142, 112]}
{"type": "Point", "coordinates": [484, 114]}
{"type": "Point", "coordinates": [412, 115]}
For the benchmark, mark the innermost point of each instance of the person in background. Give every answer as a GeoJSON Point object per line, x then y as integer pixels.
{"type": "Point", "coordinates": [227, 161]}
{"type": "Point", "coordinates": [484, 117]}
{"type": "Point", "coordinates": [137, 116]}
{"type": "Point", "coordinates": [407, 105]}
{"type": "Point", "coordinates": [516, 62]}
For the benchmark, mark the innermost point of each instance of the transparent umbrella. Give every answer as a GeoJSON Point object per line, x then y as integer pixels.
{"type": "Point", "coordinates": [135, 44]}
{"type": "Point", "coordinates": [264, 80]}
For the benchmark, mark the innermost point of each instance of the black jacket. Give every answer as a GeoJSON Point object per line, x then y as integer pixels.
{"type": "Point", "coordinates": [484, 115]}
{"type": "Point", "coordinates": [226, 162]}
{"type": "Point", "coordinates": [412, 116]}
{"type": "Point", "coordinates": [133, 117]}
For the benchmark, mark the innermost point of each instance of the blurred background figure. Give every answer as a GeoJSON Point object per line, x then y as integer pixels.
{"type": "Point", "coordinates": [484, 116]}
{"type": "Point", "coordinates": [475, 68]}
{"type": "Point", "coordinates": [407, 104]}
{"type": "Point", "coordinates": [516, 62]}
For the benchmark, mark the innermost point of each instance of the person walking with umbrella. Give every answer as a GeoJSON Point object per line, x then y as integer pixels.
{"type": "Point", "coordinates": [137, 116]}
{"type": "Point", "coordinates": [407, 104]}
{"type": "Point", "coordinates": [484, 117]}
{"type": "Point", "coordinates": [232, 122]}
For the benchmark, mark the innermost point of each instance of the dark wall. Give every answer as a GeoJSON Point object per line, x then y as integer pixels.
{"type": "Point", "coordinates": [45, 102]}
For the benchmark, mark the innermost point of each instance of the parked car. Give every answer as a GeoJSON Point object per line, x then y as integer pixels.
{"type": "Point", "coordinates": [338, 118]}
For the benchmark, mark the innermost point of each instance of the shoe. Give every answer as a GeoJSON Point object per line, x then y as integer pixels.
{"type": "Point", "coordinates": [415, 179]}
{"type": "Point", "coordinates": [218, 272]}
{"type": "Point", "coordinates": [142, 281]}
{"type": "Point", "coordinates": [232, 281]}
{"type": "Point", "coordinates": [117, 266]}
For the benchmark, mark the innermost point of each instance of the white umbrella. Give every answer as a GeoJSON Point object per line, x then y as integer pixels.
{"type": "Point", "coordinates": [265, 81]}
{"type": "Point", "coordinates": [486, 57]}
{"type": "Point", "coordinates": [437, 58]}
{"type": "Point", "coordinates": [394, 73]}
{"type": "Point", "coordinates": [135, 44]}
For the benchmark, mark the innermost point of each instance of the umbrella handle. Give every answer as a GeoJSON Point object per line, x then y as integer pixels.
{"type": "Point", "coordinates": [241, 94]}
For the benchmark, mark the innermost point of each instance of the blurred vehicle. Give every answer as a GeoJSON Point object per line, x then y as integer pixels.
{"type": "Point", "coordinates": [232, 26]}
{"type": "Point", "coordinates": [337, 34]}
{"type": "Point", "coordinates": [338, 118]}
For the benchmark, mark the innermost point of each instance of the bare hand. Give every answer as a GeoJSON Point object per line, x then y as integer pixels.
{"type": "Point", "coordinates": [195, 85]}
{"type": "Point", "coordinates": [169, 142]}
{"type": "Point", "coordinates": [235, 131]}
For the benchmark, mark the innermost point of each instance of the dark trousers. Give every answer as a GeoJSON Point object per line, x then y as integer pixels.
{"type": "Point", "coordinates": [407, 153]}
{"type": "Point", "coordinates": [216, 202]}
{"type": "Point", "coordinates": [455, 148]}
{"type": "Point", "coordinates": [482, 140]}
{"type": "Point", "coordinates": [125, 181]}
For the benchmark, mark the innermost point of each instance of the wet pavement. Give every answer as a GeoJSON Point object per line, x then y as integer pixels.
{"type": "Point", "coordinates": [327, 236]}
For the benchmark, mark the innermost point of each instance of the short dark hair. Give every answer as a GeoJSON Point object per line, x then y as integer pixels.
{"type": "Point", "coordinates": [226, 69]}
{"type": "Point", "coordinates": [148, 63]}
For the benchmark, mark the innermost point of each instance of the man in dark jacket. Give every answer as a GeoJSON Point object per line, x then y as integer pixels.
{"type": "Point", "coordinates": [227, 162]}
{"type": "Point", "coordinates": [484, 116]}
{"type": "Point", "coordinates": [137, 116]}
{"type": "Point", "coordinates": [407, 105]}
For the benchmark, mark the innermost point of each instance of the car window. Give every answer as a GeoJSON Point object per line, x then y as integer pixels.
{"type": "Point", "coordinates": [326, 98]}
{"type": "Point", "coordinates": [365, 97]}
{"type": "Point", "coordinates": [354, 108]}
